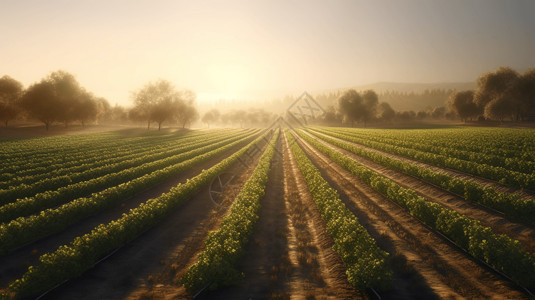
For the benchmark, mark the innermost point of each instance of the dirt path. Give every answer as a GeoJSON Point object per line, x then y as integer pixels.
{"type": "Point", "coordinates": [289, 256]}
{"type": "Point", "coordinates": [454, 173]}
{"type": "Point", "coordinates": [16, 263]}
{"type": "Point", "coordinates": [265, 263]}
{"type": "Point", "coordinates": [319, 270]}
{"type": "Point", "coordinates": [487, 217]}
{"type": "Point", "coordinates": [438, 268]}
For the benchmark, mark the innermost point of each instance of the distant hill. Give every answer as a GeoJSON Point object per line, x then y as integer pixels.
{"type": "Point", "coordinates": [407, 87]}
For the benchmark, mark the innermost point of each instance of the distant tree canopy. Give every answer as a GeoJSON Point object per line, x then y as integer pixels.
{"type": "Point", "coordinates": [462, 103]}
{"type": "Point", "coordinates": [355, 107]}
{"type": "Point", "coordinates": [59, 97]}
{"type": "Point", "coordinates": [10, 93]}
{"type": "Point", "coordinates": [160, 101]}
{"type": "Point", "coordinates": [501, 94]}
{"type": "Point", "coordinates": [385, 112]}
{"type": "Point", "coordinates": [211, 116]}
{"type": "Point", "coordinates": [251, 117]}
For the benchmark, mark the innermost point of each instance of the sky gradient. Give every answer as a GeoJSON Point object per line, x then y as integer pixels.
{"type": "Point", "coordinates": [262, 49]}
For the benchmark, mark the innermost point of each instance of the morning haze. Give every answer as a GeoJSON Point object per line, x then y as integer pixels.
{"type": "Point", "coordinates": [334, 149]}
{"type": "Point", "coordinates": [257, 50]}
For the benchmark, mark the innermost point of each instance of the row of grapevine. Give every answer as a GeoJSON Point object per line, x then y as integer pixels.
{"type": "Point", "coordinates": [446, 148]}
{"type": "Point", "coordinates": [502, 175]}
{"type": "Point", "coordinates": [48, 184]}
{"type": "Point", "coordinates": [367, 265]}
{"type": "Point", "coordinates": [48, 199]}
{"type": "Point", "coordinates": [83, 252]}
{"type": "Point", "coordinates": [44, 146]}
{"type": "Point", "coordinates": [513, 205]}
{"type": "Point", "coordinates": [26, 229]}
{"type": "Point", "coordinates": [65, 150]}
{"type": "Point", "coordinates": [48, 180]}
{"type": "Point", "coordinates": [500, 142]}
{"type": "Point", "coordinates": [95, 159]}
{"type": "Point", "coordinates": [68, 154]}
{"type": "Point", "coordinates": [215, 265]}
{"type": "Point", "coordinates": [501, 252]}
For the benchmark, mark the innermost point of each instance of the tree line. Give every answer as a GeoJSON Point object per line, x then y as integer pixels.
{"type": "Point", "coordinates": [364, 107]}
{"type": "Point", "coordinates": [59, 98]}
{"type": "Point", "coordinates": [251, 117]}
{"type": "Point", "coordinates": [56, 98]}
{"type": "Point", "coordinates": [501, 94]}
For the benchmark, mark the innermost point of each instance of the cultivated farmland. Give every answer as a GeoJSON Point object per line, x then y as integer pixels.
{"type": "Point", "coordinates": [280, 213]}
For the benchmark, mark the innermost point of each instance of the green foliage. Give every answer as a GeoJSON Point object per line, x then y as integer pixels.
{"type": "Point", "coordinates": [215, 265]}
{"type": "Point", "coordinates": [510, 204]}
{"type": "Point", "coordinates": [501, 252]}
{"type": "Point", "coordinates": [97, 179]}
{"type": "Point", "coordinates": [84, 251]}
{"type": "Point", "coordinates": [26, 229]}
{"type": "Point", "coordinates": [367, 265]}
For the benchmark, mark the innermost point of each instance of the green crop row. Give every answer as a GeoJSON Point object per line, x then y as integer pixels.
{"type": "Point", "coordinates": [215, 265]}
{"type": "Point", "coordinates": [446, 148]}
{"type": "Point", "coordinates": [103, 157]}
{"type": "Point", "coordinates": [367, 265]}
{"type": "Point", "coordinates": [67, 151]}
{"type": "Point", "coordinates": [511, 204]}
{"type": "Point", "coordinates": [83, 252]}
{"type": "Point", "coordinates": [499, 251]}
{"type": "Point", "coordinates": [502, 175]}
{"type": "Point", "coordinates": [48, 199]}
{"type": "Point", "coordinates": [502, 142]}
{"type": "Point", "coordinates": [43, 146]}
{"type": "Point", "coordinates": [52, 183]}
{"type": "Point", "coordinates": [26, 229]}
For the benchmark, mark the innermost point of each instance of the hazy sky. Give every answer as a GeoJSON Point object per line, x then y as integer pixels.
{"type": "Point", "coordinates": [262, 49]}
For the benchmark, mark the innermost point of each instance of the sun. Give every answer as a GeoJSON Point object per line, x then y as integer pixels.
{"type": "Point", "coordinates": [230, 80]}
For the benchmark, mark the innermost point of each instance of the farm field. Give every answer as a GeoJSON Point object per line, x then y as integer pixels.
{"type": "Point", "coordinates": [323, 212]}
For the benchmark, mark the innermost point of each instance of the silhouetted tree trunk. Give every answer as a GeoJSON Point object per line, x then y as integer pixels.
{"type": "Point", "coordinates": [148, 125]}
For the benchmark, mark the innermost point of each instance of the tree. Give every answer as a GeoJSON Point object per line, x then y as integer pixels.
{"type": "Point", "coordinates": [330, 116]}
{"type": "Point", "coordinates": [350, 106]}
{"type": "Point", "coordinates": [526, 92]}
{"type": "Point", "coordinates": [370, 101]}
{"type": "Point", "coordinates": [59, 97]}
{"type": "Point", "coordinates": [159, 101]}
{"type": "Point", "coordinates": [493, 84]}
{"type": "Point", "coordinates": [385, 112]}
{"type": "Point", "coordinates": [69, 94]}
{"type": "Point", "coordinates": [103, 110]}
{"type": "Point", "coordinates": [500, 108]}
{"type": "Point", "coordinates": [438, 112]}
{"type": "Point", "coordinates": [407, 115]}
{"type": "Point", "coordinates": [211, 116]}
{"type": "Point", "coordinates": [186, 112]}
{"type": "Point", "coordinates": [422, 115]}
{"type": "Point", "coordinates": [500, 85]}
{"type": "Point", "coordinates": [136, 114]}
{"type": "Point", "coordinates": [86, 108]}
{"type": "Point", "coordinates": [462, 103]}
{"type": "Point", "coordinates": [40, 102]}
{"type": "Point", "coordinates": [10, 93]}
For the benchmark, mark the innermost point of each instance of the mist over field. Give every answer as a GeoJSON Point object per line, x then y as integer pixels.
{"type": "Point", "coordinates": [237, 149]}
